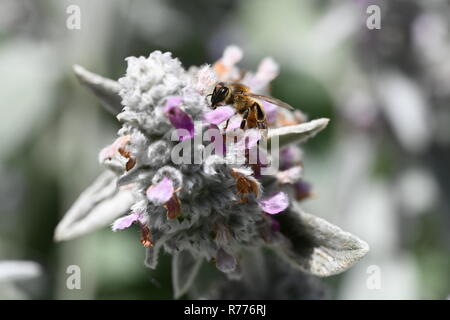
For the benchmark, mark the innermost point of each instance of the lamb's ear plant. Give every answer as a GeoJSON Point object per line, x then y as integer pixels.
{"type": "Point", "coordinates": [210, 210]}
{"type": "Point", "coordinates": [14, 275]}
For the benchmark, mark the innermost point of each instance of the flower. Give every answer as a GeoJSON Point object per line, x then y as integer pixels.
{"type": "Point", "coordinates": [110, 151]}
{"type": "Point", "coordinates": [161, 192]}
{"type": "Point", "coordinates": [268, 70]}
{"type": "Point", "coordinates": [271, 112]}
{"type": "Point", "coordinates": [275, 203]}
{"type": "Point", "coordinates": [207, 208]}
{"type": "Point", "coordinates": [126, 222]}
{"type": "Point", "coordinates": [291, 175]}
{"type": "Point", "coordinates": [224, 68]}
{"type": "Point", "coordinates": [266, 278]}
{"type": "Point", "coordinates": [219, 115]}
{"type": "Point", "coordinates": [178, 118]}
{"type": "Point", "coordinates": [302, 190]}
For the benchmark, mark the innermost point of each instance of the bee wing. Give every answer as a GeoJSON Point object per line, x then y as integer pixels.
{"type": "Point", "coordinates": [272, 100]}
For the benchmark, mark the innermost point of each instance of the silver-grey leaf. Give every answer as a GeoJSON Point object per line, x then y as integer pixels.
{"type": "Point", "coordinates": [19, 270]}
{"type": "Point", "coordinates": [185, 268]}
{"type": "Point", "coordinates": [95, 208]}
{"type": "Point", "coordinates": [316, 246]}
{"type": "Point", "coordinates": [105, 89]}
{"type": "Point", "coordinates": [297, 133]}
{"type": "Point", "coordinates": [152, 253]}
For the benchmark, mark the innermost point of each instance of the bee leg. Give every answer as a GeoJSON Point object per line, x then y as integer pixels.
{"type": "Point", "coordinates": [244, 119]}
{"type": "Point", "coordinates": [226, 125]}
{"type": "Point", "coordinates": [243, 123]}
{"type": "Point", "coordinates": [260, 116]}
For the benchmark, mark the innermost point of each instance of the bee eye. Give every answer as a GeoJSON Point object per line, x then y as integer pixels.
{"type": "Point", "coordinates": [219, 95]}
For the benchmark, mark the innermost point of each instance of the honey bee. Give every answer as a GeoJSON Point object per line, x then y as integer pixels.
{"type": "Point", "coordinates": [247, 104]}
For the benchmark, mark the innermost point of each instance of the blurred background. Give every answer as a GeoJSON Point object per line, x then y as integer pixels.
{"type": "Point", "coordinates": [380, 170]}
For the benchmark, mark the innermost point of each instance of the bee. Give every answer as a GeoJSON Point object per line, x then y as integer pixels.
{"type": "Point", "coordinates": [247, 104]}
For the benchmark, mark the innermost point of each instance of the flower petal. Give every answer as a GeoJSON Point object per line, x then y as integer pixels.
{"type": "Point", "coordinates": [275, 203]}
{"type": "Point", "coordinates": [251, 138]}
{"type": "Point", "coordinates": [234, 123]}
{"type": "Point", "coordinates": [231, 55]}
{"type": "Point", "coordinates": [271, 111]}
{"type": "Point", "coordinates": [291, 175]}
{"type": "Point", "coordinates": [289, 156]}
{"type": "Point", "coordinates": [225, 66]}
{"type": "Point", "coordinates": [275, 225]}
{"type": "Point", "coordinates": [302, 190]}
{"type": "Point", "coordinates": [206, 78]}
{"type": "Point", "coordinates": [125, 222]}
{"type": "Point", "coordinates": [258, 82]}
{"type": "Point", "coordinates": [219, 115]}
{"type": "Point", "coordinates": [161, 192]}
{"type": "Point", "coordinates": [178, 118]}
{"type": "Point", "coordinates": [225, 262]}
{"type": "Point", "coordinates": [268, 70]}
{"type": "Point", "coordinates": [109, 151]}
{"type": "Point", "coordinates": [214, 135]}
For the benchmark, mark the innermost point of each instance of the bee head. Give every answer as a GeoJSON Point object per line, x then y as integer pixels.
{"type": "Point", "coordinates": [219, 95]}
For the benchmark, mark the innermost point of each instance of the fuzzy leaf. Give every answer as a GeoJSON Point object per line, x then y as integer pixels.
{"type": "Point", "coordinates": [18, 270]}
{"type": "Point", "coordinates": [184, 270]}
{"type": "Point", "coordinates": [298, 133]}
{"type": "Point", "coordinates": [105, 89]}
{"type": "Point", "coordinates": [152, 253]}
{"type": "Point", "coordinates": [316, 246]}
{"type": "Point", "coordinates": [98, 206]}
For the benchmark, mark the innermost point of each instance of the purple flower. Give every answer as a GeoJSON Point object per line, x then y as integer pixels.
{"type": "Point", "coordinates": [234, 124]}
{"type": "Point", "coordinates": [302, 190]}
{"type": "Point", "coordinates": [127, 221]}
{"type": "Point", "coordinates": [267, 71]}
{"type": "Point", "coordinates": [231, 56]}
{"type": "Point", "coordinates": [275, 225]}
{"type": "Point", "coordinates": [219, 115]}
{"type": "Point", "coordinates": [288, 157]}
{"type": "Point", "coordinates": [291, 175]}
{"type": "Point", "coordinates": [251, 138]}
{"type": "Point", "coordinates": [217, 139]}
{"type": "Point", "coordinates": [109, 151]}
{"type": "Point", "coordinates": [225, 67]}
{"type": "Point", "coordinates": [275, 203]}
{"type": "Point", "coordinates": [178, 118]}
{"type": "Point", "coordinates": [161, 192]}
{"type": "Point", "coordinates": [225, 262]}
{"type": "Point", "coordinates": [271, 111]}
